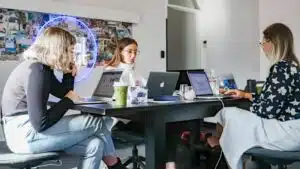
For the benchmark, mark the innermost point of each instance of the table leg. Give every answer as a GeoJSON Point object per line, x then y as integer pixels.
{"type": "Point", "coordinates": [155, 128]}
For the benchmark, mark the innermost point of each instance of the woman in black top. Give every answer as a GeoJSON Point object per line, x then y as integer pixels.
{"type": "Point", "coordinates": [273, 120]}
{"type": "Point", "coordinates": [32, 128]}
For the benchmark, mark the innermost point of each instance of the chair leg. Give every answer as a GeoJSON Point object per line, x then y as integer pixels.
{"type": "Point", "coordinates": [135, 155]}
{"type": "Point", "coordinates": [130, 160]}
{"type": "Point", "coordinates": [142, 158]}
{"type": "Point", "coordinates": [135, 159]}
{"type": "Point", "coordinates": [137, 162]}
{"type": "Point", "coordinates": [282, 166]}
{"type": "Point", "coordinates": [134, 165]}
{"type": "Point", "coordinates": [142, 165]}
{"type": "Point", "coordinates": [140, 162]}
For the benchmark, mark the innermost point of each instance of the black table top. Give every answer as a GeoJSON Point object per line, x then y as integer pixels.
{"type": "Point", "coordinates": [111, 108]}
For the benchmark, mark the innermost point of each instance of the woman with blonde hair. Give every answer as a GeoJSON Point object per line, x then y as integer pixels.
{"type": "Point", "coordinates": [30, 127]}
{"type": "Point", "coordinates": [273, 121]}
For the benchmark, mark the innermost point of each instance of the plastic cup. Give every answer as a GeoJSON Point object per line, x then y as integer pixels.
{"type": "Point", "coordinates": [121, 95]}
{"type": "Point", "coordinates": [259, 88]}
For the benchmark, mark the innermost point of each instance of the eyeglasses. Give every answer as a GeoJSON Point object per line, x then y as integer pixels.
{"type": "Point", "coordinates": [136, 52]}
{"type": "Point", "coordinates": [263, 42]}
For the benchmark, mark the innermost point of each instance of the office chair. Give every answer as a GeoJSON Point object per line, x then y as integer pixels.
{"type": "Point", "coordinates": [127, 137]}
{"type": "Point", "coordinates": [266, 158]}
{"type": "Point", "coordinates": [138, 162]}
{"type": "Point", "coordinates": [24, 161]}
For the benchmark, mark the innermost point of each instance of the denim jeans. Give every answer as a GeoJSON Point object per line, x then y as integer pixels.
{"type": "Point", "coordinates": [82, 135]}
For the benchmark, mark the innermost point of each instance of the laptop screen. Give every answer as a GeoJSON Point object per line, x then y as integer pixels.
{"type": "Point", "coordinates": [105, 86]}
{"type": "Point", "coordinates": [200, 83]}
{"type": "Point", "coordinates": [227, 81]}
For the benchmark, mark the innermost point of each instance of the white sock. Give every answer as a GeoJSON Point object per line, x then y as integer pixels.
{"type": "Point", "coordinates": [170, 165]}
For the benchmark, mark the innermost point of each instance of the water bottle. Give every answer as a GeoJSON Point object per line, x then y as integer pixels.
{"type": "Point", "coordinates": [214, 82]}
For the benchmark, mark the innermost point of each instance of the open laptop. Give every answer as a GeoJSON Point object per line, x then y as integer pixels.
{"type": "Point", "coordinates": [104, 90]}
{"type": "Point", "coordinates": [227, 81]}
{"type": "Point", "coordinates": [183, 77]}
{"type": "Point", "coordinates": [201, 86]}
{"type": "Point", "coordinates": [161, 83]}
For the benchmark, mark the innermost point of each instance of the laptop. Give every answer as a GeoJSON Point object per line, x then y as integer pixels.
{"type": "Point", "coordinates": [201, 86]}
{"type": "Point", "coordinates": [104, 90]}
{"type": "Point", "coordinates": [161, 83]}
{"type": "Point", "coordinates": [227, 81]}
{"type": "Point", "coordinates": [183, 77]}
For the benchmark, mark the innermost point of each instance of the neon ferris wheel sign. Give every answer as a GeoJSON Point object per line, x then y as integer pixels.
{"type": "Point", "coordinates": [86, 47]}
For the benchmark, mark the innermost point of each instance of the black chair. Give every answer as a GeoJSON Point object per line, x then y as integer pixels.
{"type": "Point", "coordinates": [24, 161]}
{"type": "Point", "coordinates": [128, 138]}
{"type": "Point", "coordinates": [266, 158]}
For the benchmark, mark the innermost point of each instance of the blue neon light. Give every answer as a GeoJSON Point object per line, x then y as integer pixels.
{"type": "Point", "coordinates": [86, 71]}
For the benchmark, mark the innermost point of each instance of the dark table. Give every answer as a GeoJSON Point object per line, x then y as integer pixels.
{"type": "Point", "coordinates": [157, 115]}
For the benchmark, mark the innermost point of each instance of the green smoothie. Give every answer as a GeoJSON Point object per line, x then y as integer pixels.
{"type": "Point", "coordinates": [259, 88]}
{"type": "Point", "coordinates": [121, 95]}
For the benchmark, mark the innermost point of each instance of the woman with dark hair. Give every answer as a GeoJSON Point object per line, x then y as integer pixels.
{"type": "Point", "coordinates": [125, 52]}
{"type": "Point", "coordinates": [273, 120]}
{"type": "Point", "coordinates": [124, 57]}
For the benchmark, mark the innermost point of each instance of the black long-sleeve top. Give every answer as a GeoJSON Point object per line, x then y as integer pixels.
{"type": "Point", "coordinates": [280, 96]}
{"type": "Point", "coordinates": [27, 90]}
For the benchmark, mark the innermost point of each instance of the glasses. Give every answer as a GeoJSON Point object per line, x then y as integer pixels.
{"type": "Point", "coordinates": [136, 52]}
{"type": "Point", "coordinates": [264, 42]}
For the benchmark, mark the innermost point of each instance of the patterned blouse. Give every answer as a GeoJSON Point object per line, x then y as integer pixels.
{"type": "Point", "coordinates": [280, 96]}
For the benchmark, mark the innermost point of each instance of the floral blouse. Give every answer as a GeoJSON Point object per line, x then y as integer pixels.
{"type": "Point", "coordinates": [280, 96]}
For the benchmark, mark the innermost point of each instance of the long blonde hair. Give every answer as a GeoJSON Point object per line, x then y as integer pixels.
{"type": "Point", "coordinates": [52, 48]}
{"type": "Point", "coordinates": [282, 40]}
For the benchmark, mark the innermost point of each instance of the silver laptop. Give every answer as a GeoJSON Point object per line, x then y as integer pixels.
{"type": "Point", "coordinates": [201, 86]}
{"type": "Point", "coordinates": [161, 83]}
{"type": "Point", "coordinates": [104, 90]}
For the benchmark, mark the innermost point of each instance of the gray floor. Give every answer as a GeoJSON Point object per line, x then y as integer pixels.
{"type": "Point", "coordinates": [123, 152]}
{"type": "Point", "coordinates": [69, 162]}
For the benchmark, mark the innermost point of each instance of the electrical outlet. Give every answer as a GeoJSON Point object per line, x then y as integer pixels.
{"type": "Point", "coordinates": [162, 54]}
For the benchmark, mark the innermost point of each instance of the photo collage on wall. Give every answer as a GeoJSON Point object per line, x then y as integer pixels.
{"type": "Point", "coordinates": [18, 29]}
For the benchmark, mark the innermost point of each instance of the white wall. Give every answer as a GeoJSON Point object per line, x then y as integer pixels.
{"type": "Point", "coordinates": [287, 12]}
{"type": "Point", "coordinates": [150, 30]}
{"type": "Point", "coordinates": [231, 29]}
{"type": "Point", "coordinates": [232, 33]}
{"type": "Point", "coordinates": [182, 42]}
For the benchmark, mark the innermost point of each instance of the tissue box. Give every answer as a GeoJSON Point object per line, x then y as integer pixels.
{"type": "Point", "coordinates": [137, 95]}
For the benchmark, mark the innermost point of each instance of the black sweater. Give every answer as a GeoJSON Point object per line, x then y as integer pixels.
{"type": "Point", "coordinates": [27, 90]}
